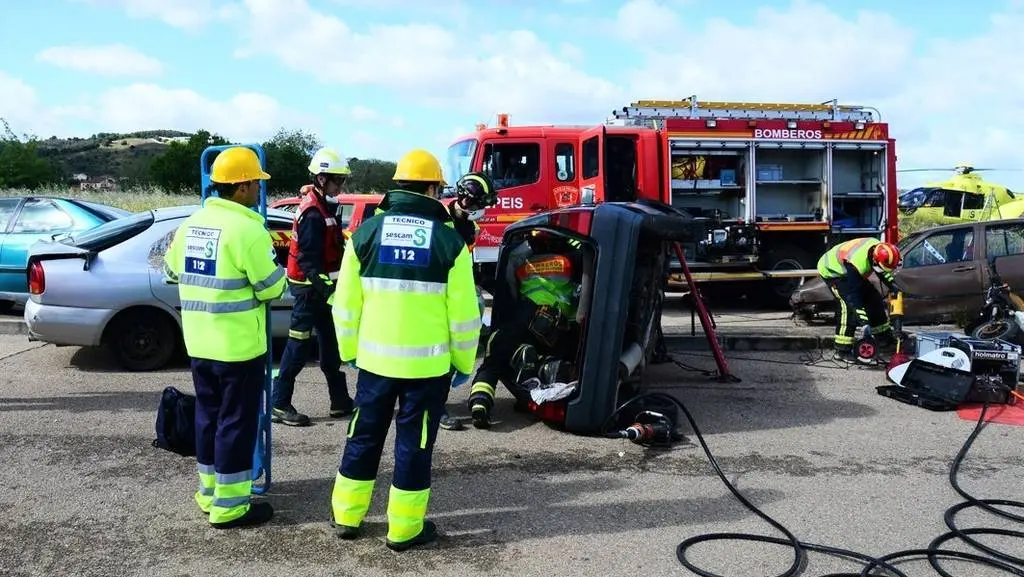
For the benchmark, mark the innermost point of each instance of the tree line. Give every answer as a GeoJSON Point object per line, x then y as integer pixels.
{"type": "Point", "coordinates": [27, 162]}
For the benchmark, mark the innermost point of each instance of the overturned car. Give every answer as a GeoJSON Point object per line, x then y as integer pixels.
{"type": "Point", "coordinates": [586, 361]}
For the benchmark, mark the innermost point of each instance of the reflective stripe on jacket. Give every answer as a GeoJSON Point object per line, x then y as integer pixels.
{"type": "Point", "coordinates": [224, 263]}
{"type": "Point", "coordinates": [406, 303]}
{"type": "Point", "coordinates": [856, 252]}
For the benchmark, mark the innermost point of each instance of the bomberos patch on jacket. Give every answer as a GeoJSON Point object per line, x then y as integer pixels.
{"type": "Point", "coordinates": [405, 240]}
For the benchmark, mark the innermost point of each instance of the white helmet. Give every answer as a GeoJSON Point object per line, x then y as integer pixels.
{"type": "Point", "coordinates": [329, 161]}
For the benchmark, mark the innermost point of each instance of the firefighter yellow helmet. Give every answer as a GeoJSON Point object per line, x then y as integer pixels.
{"type": "Point", "coordinates": [419, 166]}
{"type": "Point", "coordinates": [237, 164]}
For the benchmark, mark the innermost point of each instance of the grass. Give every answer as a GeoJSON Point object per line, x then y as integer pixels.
{"type": "Point", "coordinates": [149, 197]}
{"type": "Point", "coordinates": [135, 199]}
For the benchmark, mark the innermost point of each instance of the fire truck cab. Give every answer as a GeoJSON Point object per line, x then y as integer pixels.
{"type": "Point", "coordinates": [775, 185]}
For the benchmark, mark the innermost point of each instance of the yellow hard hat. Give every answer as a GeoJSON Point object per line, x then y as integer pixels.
{"type": "Point", "coordinates": [419, 166]}
{"type": "Point", "coordinates": [237, 164]}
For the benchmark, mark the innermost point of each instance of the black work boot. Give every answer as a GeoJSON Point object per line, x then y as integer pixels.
{"type": "Point", "coordinates": [342, 408]}
{"type": "Point", "coordinates": [480, 408]}
{"type": "Point", "coordinates": [346, 532]}
{"type": "Point", "coordinates": [450, 423]}
{"type": "Point", "coordinates": [428, 534]}
{"type": "Point", "coordinates": [258, 514]}
{"type": "Point", "coordinates": [288, 416]}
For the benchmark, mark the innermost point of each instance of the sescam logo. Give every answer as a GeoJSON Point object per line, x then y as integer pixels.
{"type": "Point", "coordinates": [783, 133]}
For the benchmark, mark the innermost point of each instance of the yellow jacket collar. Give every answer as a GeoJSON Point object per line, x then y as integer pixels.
{"type": "Point", "coordinates": [230, 205]}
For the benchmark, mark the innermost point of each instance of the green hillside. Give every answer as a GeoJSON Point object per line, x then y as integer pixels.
{"type": "Point", "coordinates": [108, 154]}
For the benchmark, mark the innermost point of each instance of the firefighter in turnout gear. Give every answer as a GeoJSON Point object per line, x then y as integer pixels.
{"type": "Point", "coordinates": [474, 193]}
{"type": "Point", "coordinates": [314, 258]}
{"type": "Point", "coordinates": [224, 263]}
{"type": "Point", "coordinates": [548, 281]}
{"type": "Point", "coordinates": [406, 315]}
{"type": "Point", "coordinates": [845, 268]}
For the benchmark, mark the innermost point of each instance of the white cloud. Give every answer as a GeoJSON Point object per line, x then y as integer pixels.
{"type": "Point", "coordinates": [188, 15]}
{"type": "Point", "coordinates": [243, 117]}
{"type": "Point", "coordinates": [642, 20]}
{"type": "Point", "coordinates": [501, 70]}
{"type": "Point", "coordinates": [946, 100]}
{"type": "Point", "coordinates": [26, 114]}
{"type": "Point", "coordinates": [109, 60]}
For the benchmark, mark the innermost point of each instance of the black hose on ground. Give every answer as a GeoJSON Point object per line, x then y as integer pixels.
{"type": "Point", "coordinates": [995, 558]}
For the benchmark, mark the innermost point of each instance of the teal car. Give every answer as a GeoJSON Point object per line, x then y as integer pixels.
{"type": "Point", "coordinates": [27, 219]}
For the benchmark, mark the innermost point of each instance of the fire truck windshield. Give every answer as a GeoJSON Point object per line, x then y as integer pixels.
{"type": "Point", "coordinates": [459, 160]}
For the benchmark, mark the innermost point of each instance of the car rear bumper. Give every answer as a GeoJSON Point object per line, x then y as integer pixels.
{"type": "Point", "coordinates": [65, 325]}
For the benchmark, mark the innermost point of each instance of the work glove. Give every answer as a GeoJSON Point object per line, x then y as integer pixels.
{"type": "Point", "coordinates": [324, 285]}
{"type": "Point", "coordinates": [459, 379]}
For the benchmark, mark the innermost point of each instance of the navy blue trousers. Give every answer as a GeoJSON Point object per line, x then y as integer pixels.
{"type": "Point", "coordinates": [420, 407]}
{"type": "Point", "coordinates": [310, 311]}
{"type": "Point", "coordinates": [227, 412]}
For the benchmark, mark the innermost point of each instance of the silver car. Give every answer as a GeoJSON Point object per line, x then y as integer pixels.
{"type": "Point", "coordinates": [105, 287]}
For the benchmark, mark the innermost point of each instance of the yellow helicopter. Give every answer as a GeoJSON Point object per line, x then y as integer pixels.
{"type": "Point", "coordinates": [964, 197]}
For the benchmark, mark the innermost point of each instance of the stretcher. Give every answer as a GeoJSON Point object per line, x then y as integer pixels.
{"type": "Point", "coordinates": [261, 455]}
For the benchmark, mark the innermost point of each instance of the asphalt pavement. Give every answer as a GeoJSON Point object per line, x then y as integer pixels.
{"type": "Point", "coordinates": [84, 493]}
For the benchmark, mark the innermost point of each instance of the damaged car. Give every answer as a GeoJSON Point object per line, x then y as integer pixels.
{"type": "Point", "coordinates": [944, 274]}
{"type": "Point", "coordinates": [621, 255]}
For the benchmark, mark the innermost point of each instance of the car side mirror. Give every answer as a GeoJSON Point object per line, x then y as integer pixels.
{"type": "Point", "coordinates": [88, 260]}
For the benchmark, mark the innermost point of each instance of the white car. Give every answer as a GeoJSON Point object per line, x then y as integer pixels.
{"type": "Point", "coordinates": [105, 287]}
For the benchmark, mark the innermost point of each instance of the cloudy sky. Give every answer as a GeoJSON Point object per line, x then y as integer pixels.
{"type": "Point", "coordinates": [376, 78]}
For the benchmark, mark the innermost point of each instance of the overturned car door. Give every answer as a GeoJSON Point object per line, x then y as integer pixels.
{"type": "Point", "coordinates": [624, 254]}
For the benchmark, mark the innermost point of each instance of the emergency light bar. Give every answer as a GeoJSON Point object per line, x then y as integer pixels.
{"type": "Point", "coordinates": [691, 108]}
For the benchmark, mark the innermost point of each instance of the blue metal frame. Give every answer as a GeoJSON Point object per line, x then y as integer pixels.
{"type": "Point", "coordinates": [261, 456]}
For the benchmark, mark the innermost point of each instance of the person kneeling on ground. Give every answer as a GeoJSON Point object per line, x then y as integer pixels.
{"type": "Point", "coordinates": [845, 269]}
{"type": "Point", "coordinates": [548, 283]}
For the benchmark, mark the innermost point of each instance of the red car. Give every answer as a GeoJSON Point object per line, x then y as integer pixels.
{"type": "Point", "coordinates": [354, 209]}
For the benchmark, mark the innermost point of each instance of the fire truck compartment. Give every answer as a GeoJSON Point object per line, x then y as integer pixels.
{"type": "Point", "coordinates": [859, 182]}
{"type": "Point", "coordinates": [827, 186]}
{"type": "Point", "coordinates": [625, 272]}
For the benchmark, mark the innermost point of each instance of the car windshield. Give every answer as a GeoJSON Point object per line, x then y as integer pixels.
{"type": "Point", "coordinates": [459, 160]}
{"type": "Point", "coordinates": [112, 232]}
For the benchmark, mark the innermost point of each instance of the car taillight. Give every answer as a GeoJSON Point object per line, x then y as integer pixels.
{"type": "Point", "coordinates": [36, 278]}
{"type": "Point", "coordinates": [551, 412]}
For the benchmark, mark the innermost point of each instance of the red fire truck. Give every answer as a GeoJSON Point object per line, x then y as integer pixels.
{"type": "Point", "coordinates": [775, 184]}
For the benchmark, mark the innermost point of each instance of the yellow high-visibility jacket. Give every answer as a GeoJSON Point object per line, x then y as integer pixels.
{"type": "Point", "coordinates": [406, 303]}
{"type": "Point", "coordinates": [226, 268]}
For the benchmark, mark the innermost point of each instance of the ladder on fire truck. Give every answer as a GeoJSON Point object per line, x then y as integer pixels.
{"type": "Point", "coordinates": [691, 108]}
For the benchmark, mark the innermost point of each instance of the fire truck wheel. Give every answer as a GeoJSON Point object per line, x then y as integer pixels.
{"type": "Point", "coordinates": [782, 258]}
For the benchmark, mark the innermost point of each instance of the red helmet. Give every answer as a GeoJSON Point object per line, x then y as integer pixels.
{"type": "Point", "coordinates": [885, 256]}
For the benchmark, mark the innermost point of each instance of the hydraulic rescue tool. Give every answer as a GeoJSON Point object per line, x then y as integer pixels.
{"type": "Point", "coordinates": [261, 456]}
{"type": "Point", "coordinates": [896, 320]}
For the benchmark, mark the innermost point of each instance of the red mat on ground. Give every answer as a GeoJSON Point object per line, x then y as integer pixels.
{"type": "Point", "coordinates": [1000, 414]}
